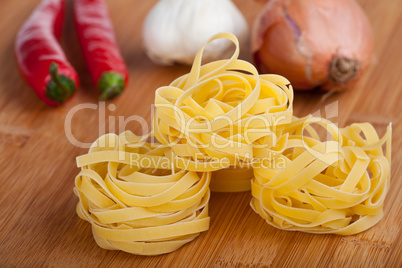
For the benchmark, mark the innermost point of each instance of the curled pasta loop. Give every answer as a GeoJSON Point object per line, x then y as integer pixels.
{"type": "Point", "coordinates": [219, 110]}
{"type": "Point", "coordinates": [332, 186]}
{"type": "Point", "coordinates": [136, 199]}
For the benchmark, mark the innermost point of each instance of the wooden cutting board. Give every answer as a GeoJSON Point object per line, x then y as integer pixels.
{"type": "Point", "coordinates": [38, 223]}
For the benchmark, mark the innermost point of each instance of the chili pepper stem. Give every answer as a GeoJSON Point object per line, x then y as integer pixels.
{"type": "Point", "coordinates": [110, 84]}
{"type": "Point", "coordinates": [60, 87]}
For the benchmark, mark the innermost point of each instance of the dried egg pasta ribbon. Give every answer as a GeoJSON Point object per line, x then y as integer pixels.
{"type": "Point", "coordinates": [142, 205]}
{"type": "Point", "coordinates": [219, 110]}
{"type": "Point", "coordinates": [325, 187]}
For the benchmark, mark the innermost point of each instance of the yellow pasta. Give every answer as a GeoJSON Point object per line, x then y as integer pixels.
{"type": "Point", "coordinates": [333, 186]}
{"type": "Point", "coordinates": [136, 199]}
{"type": "Point", "coordinates": [226, 128]}
{"type": "Point", "coordinates": [217, 112]}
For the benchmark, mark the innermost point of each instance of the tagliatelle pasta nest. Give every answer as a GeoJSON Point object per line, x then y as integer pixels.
{"type": "Point", "coordinates": [219, 110]}
{"type": "Point", "coordinates": [135, 198]}
{"type": "Point", "coordinates": [335, 186]}
{"type": "Point", "coordinates": [226, 128]}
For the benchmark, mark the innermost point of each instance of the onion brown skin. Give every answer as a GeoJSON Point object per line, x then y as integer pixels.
{"type": "Point", "coordinates": [313, 43]}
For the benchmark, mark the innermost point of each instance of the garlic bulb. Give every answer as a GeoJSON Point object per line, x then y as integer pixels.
{"type": "Point", "coordinates": [174, 30]}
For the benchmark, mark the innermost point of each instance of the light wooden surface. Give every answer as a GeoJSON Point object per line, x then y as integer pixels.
{"type": "Point", "coordinates": [38, 223]}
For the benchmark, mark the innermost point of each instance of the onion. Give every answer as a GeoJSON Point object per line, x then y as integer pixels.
{"type": "Point", "coordinates": [313, 43]}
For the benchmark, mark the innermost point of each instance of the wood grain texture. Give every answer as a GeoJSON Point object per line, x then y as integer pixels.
{"type": "Point", "coordinates": [38, 223]}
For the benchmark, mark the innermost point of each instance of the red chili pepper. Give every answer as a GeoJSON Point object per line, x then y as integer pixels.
{"type": "Point", "coordinates": [99, 46]}
{"type": "Point", "coordinates": [40, 57]}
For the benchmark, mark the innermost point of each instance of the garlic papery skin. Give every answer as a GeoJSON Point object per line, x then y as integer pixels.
{"type": "Point", "coordinates": [174, 30]}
